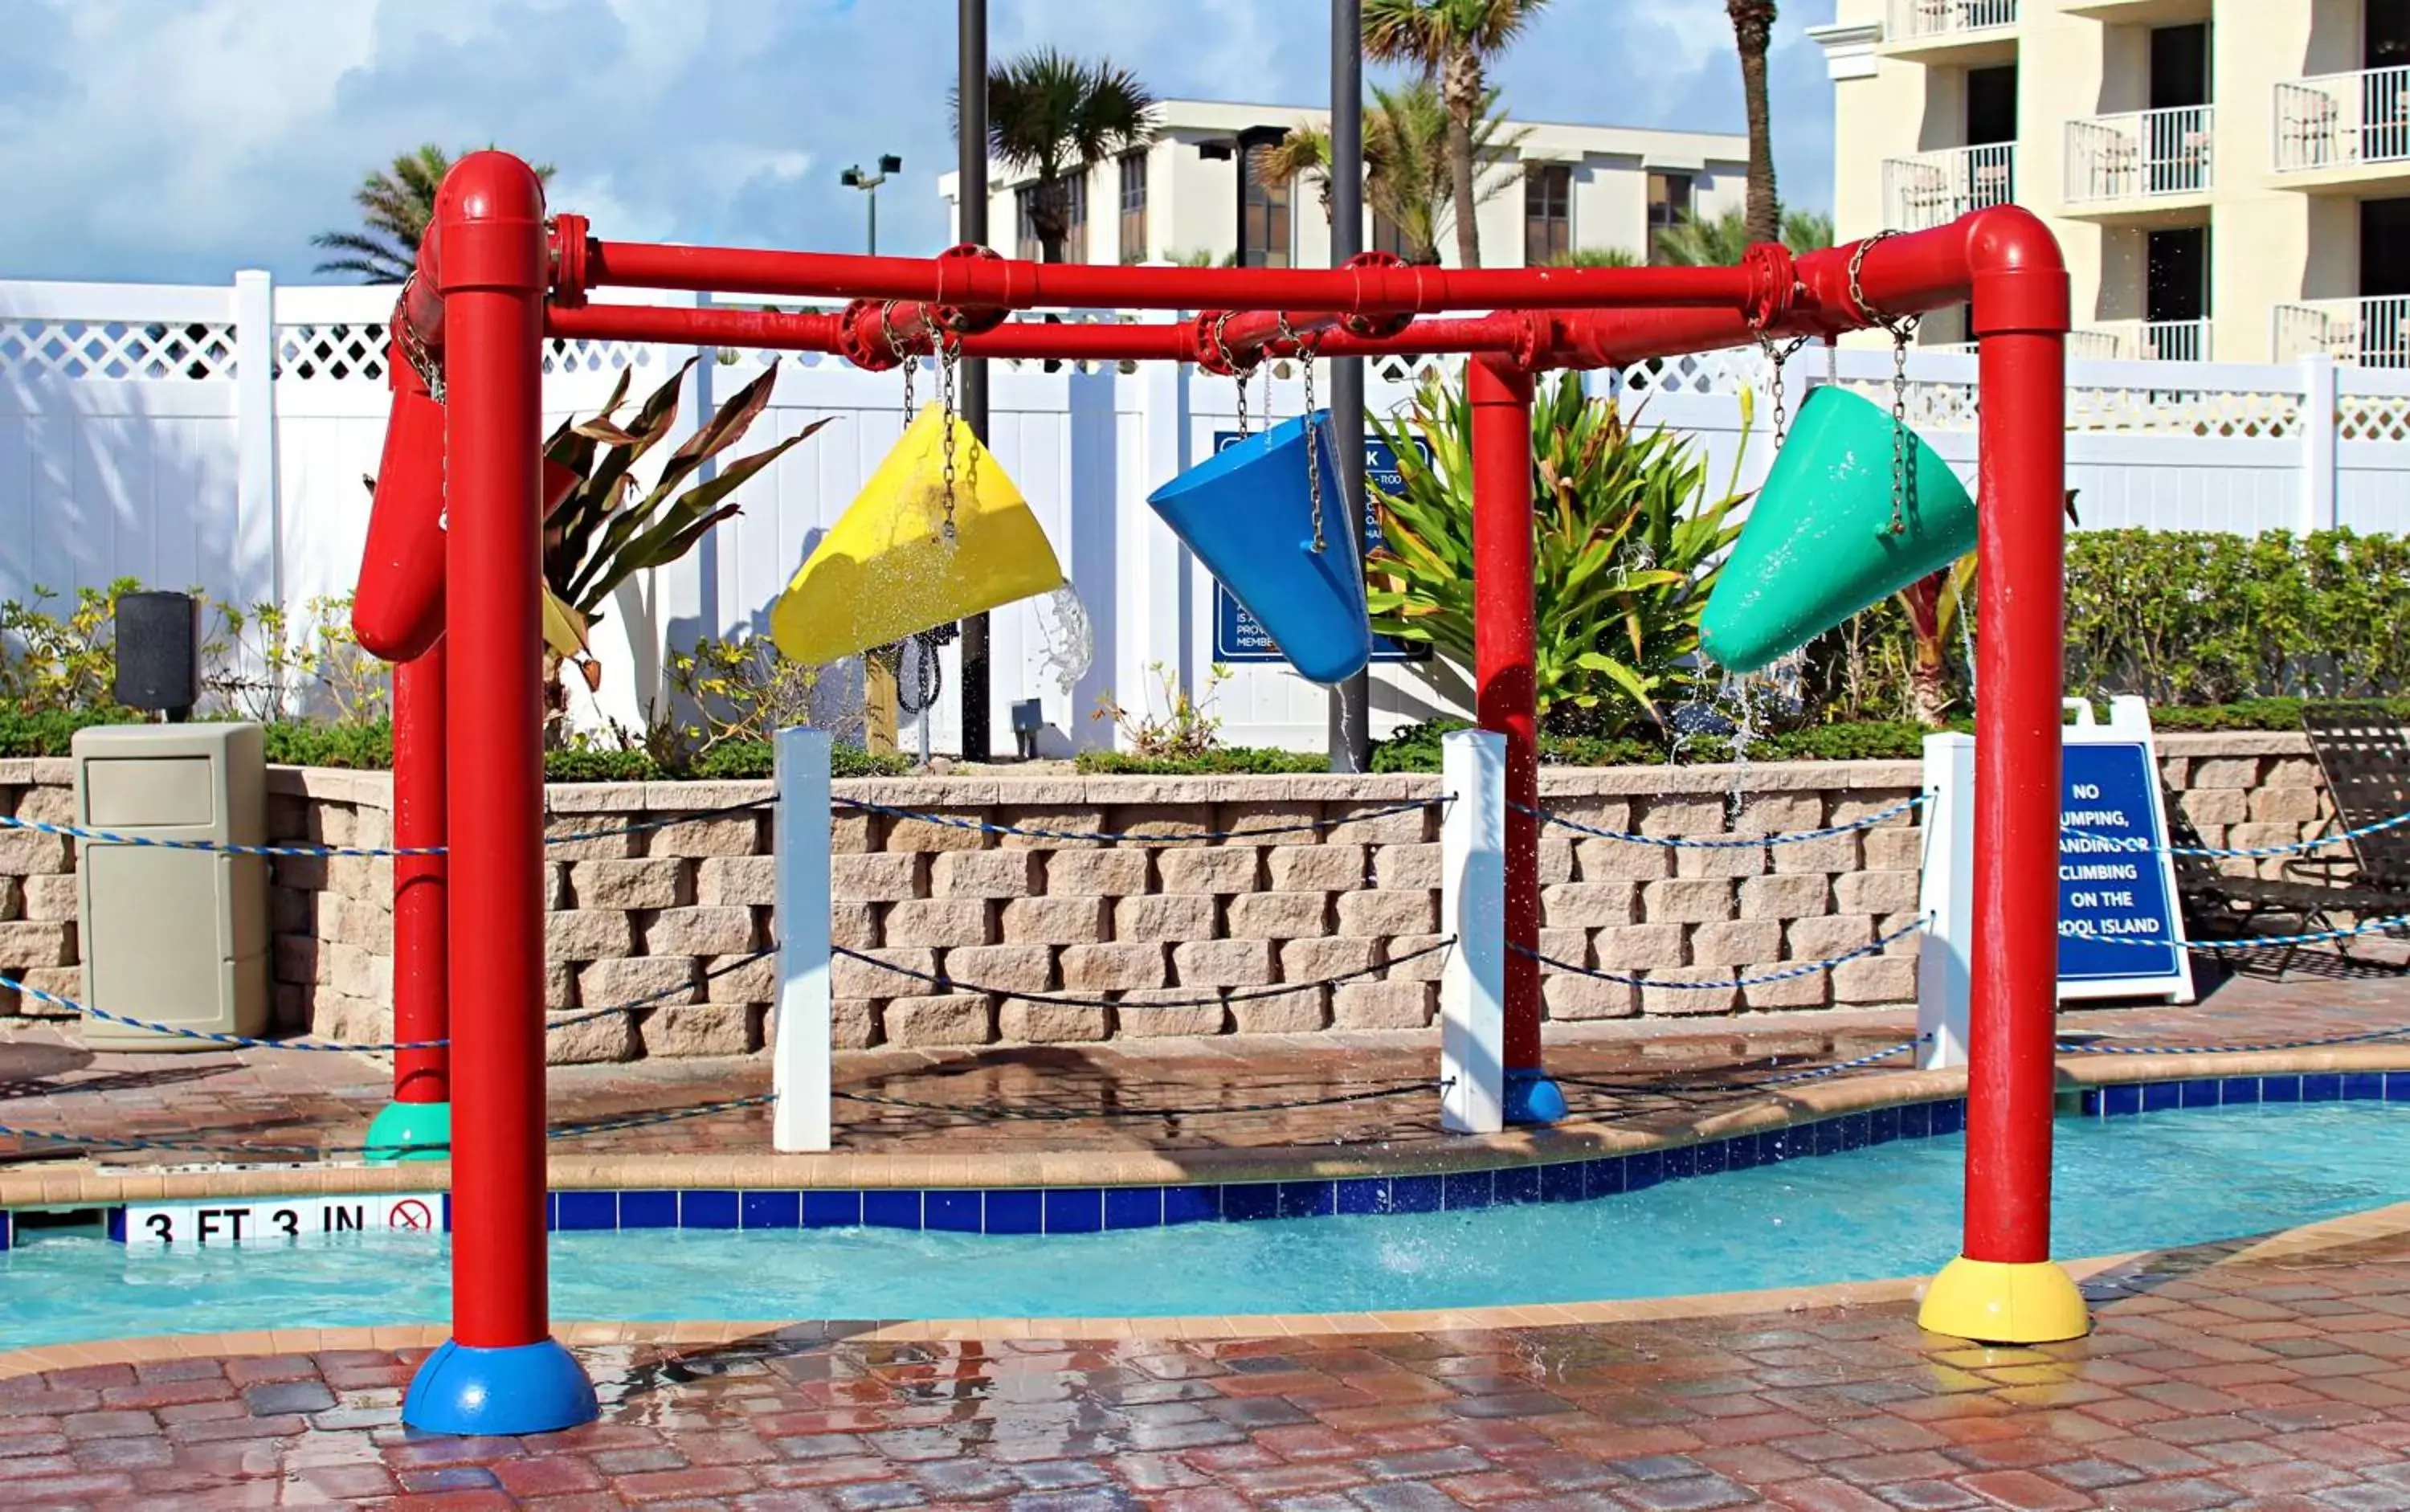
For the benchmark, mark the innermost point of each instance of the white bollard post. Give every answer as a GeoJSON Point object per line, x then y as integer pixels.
{"type": "Point", "coordinates": [1946, 896]}
{"type": "Point", "coordinates": [1472, 908]}
{"type": "Point", "coordinates": [799, 1056]}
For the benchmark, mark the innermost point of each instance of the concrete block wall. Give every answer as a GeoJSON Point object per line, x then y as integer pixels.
{"type": "Point", "coordinates": [677, 915]}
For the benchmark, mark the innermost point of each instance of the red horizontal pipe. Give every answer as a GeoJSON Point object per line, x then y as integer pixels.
{"type": "Point", "coordinates": [1254, 332]}
{"type": "Point", "coordinates": [1160, 342]}
{"type": "Point", "coordinates": [1005, 283]}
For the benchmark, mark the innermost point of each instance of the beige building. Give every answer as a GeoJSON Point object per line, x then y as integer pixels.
{"type": "Point", "coordinates": [1194, 191]}
{"type": "Point", "coordinates": [2231, 178]}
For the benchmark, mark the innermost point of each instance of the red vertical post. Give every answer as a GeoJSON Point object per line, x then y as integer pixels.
{"type": "Point", "coordinates": [2003, 1288]}
{"type": "Point", "coordinates": [1500, 392]}
{"type": "Point", "coordinates": [416, 1124]}
{"type": "Point", "coordinates": [502, 1371]}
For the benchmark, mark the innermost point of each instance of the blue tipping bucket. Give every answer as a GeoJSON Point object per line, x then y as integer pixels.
{"type": "Point", "coordinates": [1248, 514]}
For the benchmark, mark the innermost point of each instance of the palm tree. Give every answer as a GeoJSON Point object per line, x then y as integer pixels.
{"type": "Point", "coordinates": [1753, 34]}
{"type": "Point", "coordinates": [1303, 151]}
{"type": "Point", "coordinates": [1057, 117]}
{"type": "Point", "coordinates": [1721, 243]}
{"type": "Point", "coordinates": [1597, 257]}
{"type": "Point", "coordinates": [1453, 42]}
{"type": "Point", "coordinates": [397, 205]}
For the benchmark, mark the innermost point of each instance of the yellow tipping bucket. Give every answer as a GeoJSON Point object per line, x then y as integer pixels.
{"type": "Point", "coordinates": [886, 571]}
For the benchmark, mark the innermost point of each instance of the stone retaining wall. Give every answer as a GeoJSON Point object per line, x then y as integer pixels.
{"type": "Point", "coordinates": [676, 910]}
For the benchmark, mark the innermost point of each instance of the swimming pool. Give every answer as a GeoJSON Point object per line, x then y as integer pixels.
{"type": "Point", "coordinates": [2179, 1175]}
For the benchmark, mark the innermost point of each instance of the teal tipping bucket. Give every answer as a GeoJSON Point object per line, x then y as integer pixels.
{"type": "Point", "coordinates": [1247, 512]}
{"type": "Point", "coordinates": [1818, 545]}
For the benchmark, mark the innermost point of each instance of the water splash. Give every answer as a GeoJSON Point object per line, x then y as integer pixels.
{"type": "Point", "coordinates": [1070, 638]}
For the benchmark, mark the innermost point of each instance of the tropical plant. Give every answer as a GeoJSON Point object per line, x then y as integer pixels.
{"type": "Point", "coordinates": [1597, 257]}
{"type": "Point", "coordinates": [397, 205]}
{"type": "Point", "coordinates": [1453, 42]}
{"type": "Point", "coordinates": [1186, 731]}
{"type": "Point", "coordinates": [1628, 537]}
{"type": "Point", "coordinates": [1204, 258]}
{"type": "Point", "coordinates": [1303, 151]}
{"type": "Point", "coordinates": [52, 662]}
{"type": "Point", "coordinates": [1406, 162]}
{"type": "Point", "coordinates": [1752, 23]}
{"type": "Point", "coordinates": [605, 528]}
{"type": "Point", "coordinates": [1723, 241]}
{"type": "Point", "coordinates": [1932, 604]}
{"type": "Point", "coordinates": [1056, 117]}
{"type": "Point", "coordinates": [743, 689]}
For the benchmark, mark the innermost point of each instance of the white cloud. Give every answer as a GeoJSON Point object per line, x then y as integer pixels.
{"type": "Point", "coordinates": [179, 140]}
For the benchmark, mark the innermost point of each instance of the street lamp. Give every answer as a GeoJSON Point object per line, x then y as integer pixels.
{"type": "Point", "coordinates": [853, 178]}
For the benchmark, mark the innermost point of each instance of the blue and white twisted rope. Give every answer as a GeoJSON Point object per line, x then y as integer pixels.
{"type": "Point", "coordinates": [2247, 942]}
{"type": "Point", "coordinates": [1227, 994]}
{"type": "Point", "coordinates": [2088, 1048]}
{"type": "Point", "coordinates": [2111, 843]}
{"type": "Point", "coordinates": [1835, 1069]}
{"type": "Point", "coordinates": [1807, 968]}
{"type": "Point", "coordinates": [1736, 842]}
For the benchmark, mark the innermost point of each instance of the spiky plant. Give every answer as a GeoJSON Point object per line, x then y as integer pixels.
{"type": "Point", "coordinates": [397, 205]}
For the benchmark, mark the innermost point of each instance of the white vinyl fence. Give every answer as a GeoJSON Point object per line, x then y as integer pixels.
{"type": "Point", "coordinates": [218, 438]}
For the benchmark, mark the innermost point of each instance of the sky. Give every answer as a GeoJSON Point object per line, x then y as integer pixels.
{"type": "Point", "coordinates": [178, 140]}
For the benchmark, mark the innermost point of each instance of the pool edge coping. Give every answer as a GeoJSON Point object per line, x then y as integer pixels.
{"type": "Point", "coordinates": [2303, 1239]}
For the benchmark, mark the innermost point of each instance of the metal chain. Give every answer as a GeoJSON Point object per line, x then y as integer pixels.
{"type": "Point", "coordinates": [1312, 440]}
{"type": "Point", "coordinates": [903, 358]}
{"type": "Point", "coordinates": [950, 355]}
{"type": "Point", "coordinates": [1902, 330]}
{"type": "Point", "coordinates": [413, 351]}
{"type": "Point", "coordinates": [1777, 356]}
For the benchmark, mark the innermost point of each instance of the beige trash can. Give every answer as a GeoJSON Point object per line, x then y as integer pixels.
{"type": "Point", "coordinates": [173, 935]}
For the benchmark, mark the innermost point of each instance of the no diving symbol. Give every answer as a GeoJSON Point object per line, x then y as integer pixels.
{"type": "Point", "coordinates": [410, 1213]}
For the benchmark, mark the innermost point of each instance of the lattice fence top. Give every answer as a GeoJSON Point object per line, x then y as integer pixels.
{"type": "Point", "coordinates": [77, 349]}
{"type": "Point", "coordinates": [2372, 418]}
{"type": "Point", "coordinates": [343, 353]}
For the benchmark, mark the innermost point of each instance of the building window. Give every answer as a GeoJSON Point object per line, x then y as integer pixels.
{"type": "Point", "coordinates": [1263, 208]}
{"type": "Point", "coordinates": [1133, 182]}
{"type": "Point", "coordinates": [1026, 243]}
{"type": "Point", "coordinates": [1547, 214]}
{"type": "Point", "coordinates": [1669, 206]}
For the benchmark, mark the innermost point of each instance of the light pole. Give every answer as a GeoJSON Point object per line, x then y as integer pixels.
{"type": "Point", "coordinates": [853, 178]}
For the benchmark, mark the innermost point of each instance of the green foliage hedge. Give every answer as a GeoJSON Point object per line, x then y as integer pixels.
{"type": "Point", "coordinates": [1228, 760]}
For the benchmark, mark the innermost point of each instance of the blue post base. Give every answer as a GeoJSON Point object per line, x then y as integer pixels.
{"type": "Point", "coordinates": [528, 1388]}
{"type": "Point", "coordinates": [1532, 1099]}
{"type": "Point", "coordinates": [410, 1132]}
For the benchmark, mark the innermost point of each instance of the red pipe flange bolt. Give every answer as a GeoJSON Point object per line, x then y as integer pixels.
{"type": "Point", "coordinates": [862, 336]}
{"type": "Point", "coordinates": [968, 320]}
{"type": "Point", "coordinates": [569, 235]}
{"type": "Point", "coordinates": [1206, 337]}
{"type": "Point", "coordinates": [1773, 283]}
{"type": "Point", "coordinates": [1376, 326]}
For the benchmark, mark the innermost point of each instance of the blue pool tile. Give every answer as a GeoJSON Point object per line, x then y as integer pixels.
{"type": "Point", "coordinates": [1562, 1182]}
{"type": "Point", "coordinates": [586, 1210]}
{"type": "Point", "coordinates": [2120, 1101]}
{"type": "Point", "coordinates": [2200, 1094]}
{"type": "Point", "coordinates": [832, 1210]}
{"type": "Point", "coordinates": [1882, 1125]}
{"type": "Point", "coordinates": [950, 1210]}
{"type": "Point", "coordinates": [551, 1211]}
{"type": "Point", "coordinates": [1741, 1152]}
{"type": "Point", "coordinates": [1516, 1184]}
{"type": "Point", "coordinates": [1644, 1169]}
{"type": "Point", "coordinates": [1130, 1207]}
{"type": "Point", "coordinates": [2321, 1086]}
{"type": "Point", "coordinates": [1307, 1200]}
{"type": "Point", "coordinates": [117, 1223]}
{"type": "Point", "coordinates": [1950, 1117]}
{"type": "Point", "coordinates": [2280, 1089]}
{"type": "Point", "coordinates": [1709, 1159]}
{"type": "Point", "coordinates": [7, 1226]}
{"type": "Point", "coordinates": [707, 1210]}
{"type": "Point", "coordinates": [648, 1210]}
{"type": "Point", "coordinates": [2158, 1096]}
{"type": "Point", "coordinates": [890, 1208]}
{"type": "Point", "coordinates": [1827, 1134]}
{"type": "Point", "coordinates": [770, 1210]}
{"type": "Point", "coordinates": [1363, 1195]}
{"type": "Point", "coordinates": [2363, 1087]}
{"type": "Point", "coordinates": [1465, 1190]}
{"type": "Point", "coordinates": [1016, 1211]}
{"type": "Point", "coordinates": [1604, 1178]}
{"type": "Point", "coordinates": [1857, 1131]}
{"type": "Point", "coordinates": [1192, 1204]}
{"type": "Point", "coordinates": [2397, 1086]}
{"type": "Point", "coordinates": [1248, 1201]}
{"type": "Point", "coordinates": [2235, 1090]}
{"type": "Point", "coordinates": [1414, 1193]}
{"type": "Point", "coordinates": [1681, 1161]}
{"type": "Point", "coordinates": [447, 1213]}
{"type": "Point", "coordinates": [1916, 1120]}
{"type": "Point", "coordinates": [1075, 1210]}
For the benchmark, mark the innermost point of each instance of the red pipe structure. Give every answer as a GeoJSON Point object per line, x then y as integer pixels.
{"type": "Point", "coordinates": [478, 305]}
{"type": "Point", "coordinates": [417, 1124]}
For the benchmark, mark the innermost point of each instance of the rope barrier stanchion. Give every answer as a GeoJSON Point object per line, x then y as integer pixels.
{"type": "Point", "coordinates": [801, 1045]}
{"type": "Point", "coordinates": [1473, 908]}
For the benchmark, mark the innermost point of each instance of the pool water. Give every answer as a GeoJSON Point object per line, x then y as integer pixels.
{"type": "Point", "coordinates": [2166, 1178]}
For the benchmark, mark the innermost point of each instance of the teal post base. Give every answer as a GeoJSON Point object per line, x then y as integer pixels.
{"type": "Point", "coordinates": [410, 1131]}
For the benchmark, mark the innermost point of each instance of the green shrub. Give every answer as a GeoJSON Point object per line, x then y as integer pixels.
{"type": "Point", "coordinates": [51, 731]}
{"type": "Point", "coordinates": [739, 760]}
{"type": "Point", "coordinates": [361, 746]}
{"type": "Point", "coordinates": [1222, 761]}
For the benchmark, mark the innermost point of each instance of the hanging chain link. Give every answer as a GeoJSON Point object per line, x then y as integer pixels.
{"type": "Point", "coordinates": [1313, 440]}
{"type": "Point", "coordinates": [1776, 357]}
{"type": "Point", "coordinates": [950, 355]}
{"type": "Point", "coordinates": [903, 358]}
{"type": "Point", "coordinates": [413, 351]}
{"type": "Point", "coordinates": [1902, 330]}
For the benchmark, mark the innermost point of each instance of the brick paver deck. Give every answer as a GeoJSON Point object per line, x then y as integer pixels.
{"type": "Point", "coordinates": [2275, 1382]}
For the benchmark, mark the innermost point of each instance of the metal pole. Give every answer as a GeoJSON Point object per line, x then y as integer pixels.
{"type": "Point", "coordinates": [1351, 701]}
{"type": "Point", "coordinates": [874, 220]}
{"type": "Point", "coordinates": [971, 81]}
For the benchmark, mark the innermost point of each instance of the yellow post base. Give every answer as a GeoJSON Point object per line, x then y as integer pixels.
{"type": "Point", "coordinates": [1991, 1301]}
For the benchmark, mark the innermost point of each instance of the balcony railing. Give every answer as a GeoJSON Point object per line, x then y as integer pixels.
{"type": "Point", "coordinates": [1926, 20]}
{"type": "Point", "coordinates": [2081, 346]}
{"type": "Point", "coordinates": [2141, 155]}
{"type": "Point", "coordinates": [1935, 188]}
{"type": "Point", "coordinates": [2373, 331]}
{"type": "Point", "coordinates": [2343, 119]}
